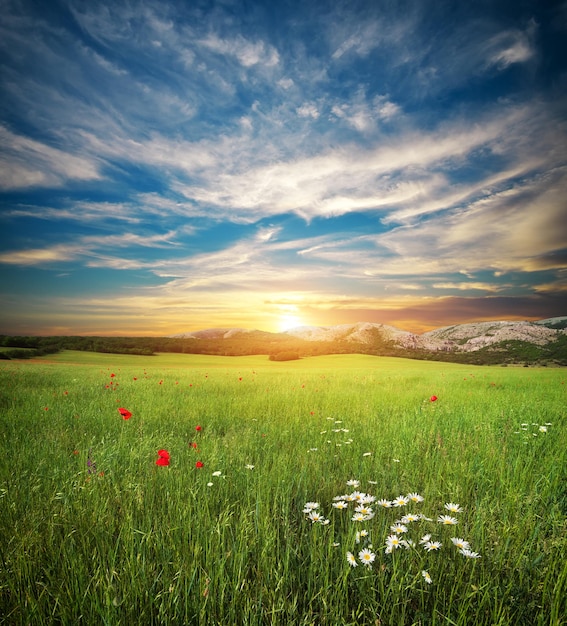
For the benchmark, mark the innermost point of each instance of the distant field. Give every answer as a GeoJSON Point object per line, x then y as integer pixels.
{"type": "Point", "coordinates": [225, 529]}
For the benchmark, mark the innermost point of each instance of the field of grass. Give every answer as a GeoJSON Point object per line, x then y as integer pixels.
{"type": "Point", "coordinates": [93, 531]}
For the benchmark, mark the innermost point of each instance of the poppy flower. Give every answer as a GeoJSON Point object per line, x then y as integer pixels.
{"type": "Point", "coordinates": [192, 444]}
{"type": "Point", "coordinates": [125, 413]}
{"type": "Point", "coordinates": [198, 429]}
{"type": "Point", "coordinates": [163, 457]}
{"type": "Point", "coordinates": [199, 464]}
{"type": "Point", "coordinates": [112, 375]}
{"type": "Point", "coordinates": [433, 398]}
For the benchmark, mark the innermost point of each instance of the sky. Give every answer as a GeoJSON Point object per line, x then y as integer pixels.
{"type": "Point", "coordinates": [170, 166]}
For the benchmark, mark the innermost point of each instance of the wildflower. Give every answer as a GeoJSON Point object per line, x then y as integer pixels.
{"type": "Point", "coordinates": [407, 543]}
{"type": "Point", "coordinates": [358, 496]}
{"type": "Point", "coordinates": [432, 545]}
{"type": "Point", "coordinates": [309, 506]}
{"type": "Point", "coordinates": [384, 503]}
{"type": "Point", "coordinates": [209, 484]}
{"type": "Point", "coordinates": [426, 577]}
{"type": "Point", "coordinates": [460, 543]}
{"type": "Point", "coordinates": [453, 508]}
{"type": "Point", "coordinates": [249, 467]}
{"type": "Point", "coordinates": [163, 457]}
{"type": "Point", "coordinates": [199, 464]}
{"type": "Point", "coordinates": [365, 510]}
{"type": "Point", "coordinates": [399, 529]}
{"type": "Point", "coordinates": [392, 542]}
{"type": "Point", "coordinates": [360, 534]}
{"type": "Point", "coordinates": [410, 517]}
{"type": "Point", "coordinates": [433, 398]}
{"type": "Point", "coordinates": [366, 556]}
{"type": "Point", "coordinates": [351, 559]}
{"type": "Point", "coordinates": [367, 499]}
{"type": "Point", "coordinates": [543, 429]}
{"type": "Point", "coordinates": [125, 413]}
{"type": "Point", "coordinates": [217, 473]}
{"type": "Point", "coordinates": [425, 538]}
{"type": "Point", "coordinates": [192, 444]}
{"type": "Point", "coordinates": [415, 497]}
{"type": "Point", "coordinates": [353, 483]}
{"type": "Point", "coordinates": [341, 504]}
{"type": "Point", "coordinates": [401, 501]}
{"type": "Point", "coordinates": [198, 429]}
{"type": "Point", "coordinates": [469, 553]}
{"type": "Point", "coordinates": [367, 454]}
{"type": "Point", "coordinates": [447, 520]}
{"type": "Point", "coordinates": [315, 516]}
{"type": "Point", "coordinates": [359, 517]}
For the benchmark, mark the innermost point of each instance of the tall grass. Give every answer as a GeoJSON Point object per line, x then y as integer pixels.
{"type": "Point", "coordinates": [93, 531]}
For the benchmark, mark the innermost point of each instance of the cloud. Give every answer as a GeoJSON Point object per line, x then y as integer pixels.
{"type": "Point", "coordinates": [26, 162]}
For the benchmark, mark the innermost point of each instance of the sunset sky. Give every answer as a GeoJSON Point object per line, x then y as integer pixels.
{"type": "Point", "coordinates": [168, 166]}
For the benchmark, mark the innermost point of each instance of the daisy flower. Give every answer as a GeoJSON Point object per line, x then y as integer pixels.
{"type": "Point", "coordinates": [341, 504]}
{"type": "Point", "coordinates": [249, 467]}
{"type": "Point", "coordinates": [447, 520]}
{"type": "Point", "coordinates": [453, 508]}
{"type": "Point", "coordinates": [358, 495]}
{"type": "Point", "coordinates": [365, 510]}
{"type": "Point", "coordinates": [310, 506]}
{"type": "Point", "coordinates": [392, 542]}
{"type": "Point", "coordinates": [432, 545]}
{"type": "Point", "coordinates": [543, 429]}
{"type": "Point", "coordinates": [460, 543]}
{"type": "Point", "coordinates": [426, 577]}
{"type": "Point", "coordinates": [358, 517]}
{"type": "Point", "coordinates": [366, 556]}
{"type": "Point", "coordinates": [469, 553]}
{"type": "Point", "coordinates": [314, 516]}
{"type": "Point", "coordinates": [353, 483]}
{"type": "Point", "coordinates": [367, 499]}
{"type": "Point", "coordinates": [351, 559]}
{"type": "Point", "coordinates": [217, 473]}
{"type": "Point", "coordinates": [399, 529]}
{"type": "Point", "coordinates": [401, 501]}
{"type": "Point", "coordinates": [415, 497]}
{"type": "Point", "coordinates": [425, 539]}
{"type": "Point", "coordinates": [360, 534]}
{"type": "Point", "coordinates": [410, 517]}
{"type": "Point", "coordinates": [384, 503]}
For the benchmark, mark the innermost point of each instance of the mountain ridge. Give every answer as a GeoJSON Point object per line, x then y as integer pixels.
{"type": "Point", "coordinates": [468, 337]}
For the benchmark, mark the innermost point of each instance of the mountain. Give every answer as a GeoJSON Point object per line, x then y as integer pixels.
{"type": "Point", "coordinates": [457, 338]}
{"type": "Point", "coordinates": [480, 342]}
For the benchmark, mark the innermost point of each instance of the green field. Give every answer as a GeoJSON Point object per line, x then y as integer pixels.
{"type": "Point", "coordinates": [92, 531]}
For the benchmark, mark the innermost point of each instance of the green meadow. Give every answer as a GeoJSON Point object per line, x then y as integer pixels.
{"type": "Point", "coordinates": [337, 490]}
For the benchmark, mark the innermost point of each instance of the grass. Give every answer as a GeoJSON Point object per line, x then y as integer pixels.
{"type": "Point", "coordinates": [94, 532]}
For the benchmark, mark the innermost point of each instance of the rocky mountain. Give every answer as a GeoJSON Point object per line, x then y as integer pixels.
{"type": "Point", "coordinates": [543, 341]}
{"type": "Point", "coordinates": [457, 338]}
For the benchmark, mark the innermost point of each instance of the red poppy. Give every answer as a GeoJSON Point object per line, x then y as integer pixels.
{"type": "Point", "coordinates": [199, 464]}
{"type": "Point", "coordinates": [192, 444]}
{"type": "Point", "coordinates": [112, 375]}
{"type": "Point", "coordinates": [125, 413]}
{"type": "Point", "coordinates": [198, 429]}
{"type": "Point", "coordinates": [163, 457]}
{"type": "Point", "coordinates": [433, 398]}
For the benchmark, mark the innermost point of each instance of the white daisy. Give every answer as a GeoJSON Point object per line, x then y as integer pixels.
{"type": "Point", "coordinates": [447, 520]}
{"type": "Point", "coordinates": [351, 559]}
{"type": "Point", "coordinates": [366, 556]}
{"type": "Point", "coordinates": [453, 508]}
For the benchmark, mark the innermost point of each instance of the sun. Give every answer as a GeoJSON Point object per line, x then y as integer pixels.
{"type": "Point", "coordinates": [287, 322]}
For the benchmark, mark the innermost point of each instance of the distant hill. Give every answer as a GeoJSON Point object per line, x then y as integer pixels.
{"type": "Point", "coordinates": [492, 341]}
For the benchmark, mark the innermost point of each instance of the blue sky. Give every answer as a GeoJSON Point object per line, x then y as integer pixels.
{"type": "Point", "coordinates": [173, 166]}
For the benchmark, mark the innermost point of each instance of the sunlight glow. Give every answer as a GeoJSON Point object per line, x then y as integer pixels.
{"type": "Point", "coordinates": [287, 322]}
